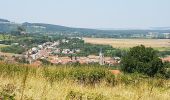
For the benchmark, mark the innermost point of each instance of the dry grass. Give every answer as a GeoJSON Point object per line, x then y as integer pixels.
{"type": "Point", "coordinates": [39, 89]}
{"type": "Point", "coordinates": [126, 43]}
{"type": "Point", "coordinates": [25, 83]}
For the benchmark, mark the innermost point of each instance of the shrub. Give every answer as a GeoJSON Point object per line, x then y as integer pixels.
{"type": "Point", "coordinates": [13, 49]}
{"type": "Point", "coordinates": [111, 79]}
{"type": "Point", "coordinates": [142, 59]}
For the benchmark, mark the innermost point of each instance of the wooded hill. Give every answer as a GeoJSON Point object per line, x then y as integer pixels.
{"type": "Point", "coordinates": [7, 27]}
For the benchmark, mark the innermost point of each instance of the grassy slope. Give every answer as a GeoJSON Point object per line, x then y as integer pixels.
{"type": "Point", "coordinates": [58, 84]}
{"type": "Point", "coordinates": [40, 89]}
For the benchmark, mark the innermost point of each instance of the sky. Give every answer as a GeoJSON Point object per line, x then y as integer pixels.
{"type": "Point", "coordinates": [89, 13]}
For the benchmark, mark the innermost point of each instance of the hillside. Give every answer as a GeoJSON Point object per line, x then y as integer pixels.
{"type": "Point", "coordinates": [7, 26]}
{"type": "Point", "coordinates": [4, 20]}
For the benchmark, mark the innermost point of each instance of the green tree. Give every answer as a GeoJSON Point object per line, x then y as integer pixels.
{"type": "Point", "coordinates": [20, 28]}
{"type": "Point", "coordinates": [142, 59]}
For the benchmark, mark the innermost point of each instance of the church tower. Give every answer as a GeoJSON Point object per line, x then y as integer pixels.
{"type": "Point", "coordinates": [101, 57]}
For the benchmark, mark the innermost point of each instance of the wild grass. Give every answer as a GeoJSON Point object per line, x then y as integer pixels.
{"type": "Point", "coordinates": [66, 82]}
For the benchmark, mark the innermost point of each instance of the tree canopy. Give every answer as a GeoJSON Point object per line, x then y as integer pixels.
{"type": "Point", "coordinates": [142, 59]}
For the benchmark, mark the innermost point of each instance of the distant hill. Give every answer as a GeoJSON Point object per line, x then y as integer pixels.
{"type": "Point", "coordinates": [50, 28]}
{"type": "Point", "coordinates": [7, 26]}
{"type": "Point", "coordinates": [160, 28]}
{"type": "Point", "coordinates": [4, 20]}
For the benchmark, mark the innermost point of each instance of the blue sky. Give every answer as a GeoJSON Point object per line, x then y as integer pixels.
{"type": "Point", "coordinates": [89, 13]}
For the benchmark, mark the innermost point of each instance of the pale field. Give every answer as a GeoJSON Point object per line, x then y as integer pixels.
{"type": "Point", "coordinates": [126, 43]}
{"type": "Point", "coordinates": [37, 88]}
{"type": "Point", "coordinates": [3, 45]}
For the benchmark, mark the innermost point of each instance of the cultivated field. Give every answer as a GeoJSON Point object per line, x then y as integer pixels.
{"type": "Point", "coordinates": [3, 45]}
{"type": "Point", "coordinates": [126, 43]}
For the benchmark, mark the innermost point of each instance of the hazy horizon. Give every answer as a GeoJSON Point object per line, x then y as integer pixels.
{"type": "Point", "coordinates": [89, 13]}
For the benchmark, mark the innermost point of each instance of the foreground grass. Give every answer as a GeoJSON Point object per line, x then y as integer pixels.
{"type": "Point", "coordinates": [22, 82]}
{"type": "Point", "coordinates": [40, 89]}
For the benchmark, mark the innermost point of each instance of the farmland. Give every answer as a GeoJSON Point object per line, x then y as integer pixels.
{"type": "Point", "coordinates": [2, 45]}
{"type": "Point", "coordinates": [160, 44]}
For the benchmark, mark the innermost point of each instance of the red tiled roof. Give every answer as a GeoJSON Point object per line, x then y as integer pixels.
{"type": "Point", "coordinates": [115, 72]}
{"type": "Point", "coordinates": [36, 63]}
{"type": "Point", "coordinates": [166, 59]}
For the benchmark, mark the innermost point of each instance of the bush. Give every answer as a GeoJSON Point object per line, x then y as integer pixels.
{"type": "Point", "coordinates": [142, 60]}
{"type": "Point", "coordinates": [110, 79]}
{"type": "Point", "coordinates": [13, 49]}
{"type": "Point", "coordinates": [88, 76]}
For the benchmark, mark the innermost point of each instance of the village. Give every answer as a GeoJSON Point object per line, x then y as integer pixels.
{"type": "Point", "coordinates": [53, 53]}
{"type": "Point", "coordinates": [50, 52]}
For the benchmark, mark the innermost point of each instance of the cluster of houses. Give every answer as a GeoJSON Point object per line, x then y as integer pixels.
{"type": "Point", "coordinates": [50, 51]}
{"type": "Point", "coordinates": [151, 35]}
{"type": "Point", "coordinates": [85, 60]}
{"type": "Point", "coordinates": [158, 35]}
{"type": "Point", "coordinates": [166, 59]}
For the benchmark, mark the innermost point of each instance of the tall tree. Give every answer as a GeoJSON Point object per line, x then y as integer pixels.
{"type": "Point", "coordinates": [142, 59]}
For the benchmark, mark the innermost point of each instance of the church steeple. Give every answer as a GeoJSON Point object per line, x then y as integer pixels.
{"type": "Point", "coordinates": [101, 57]}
